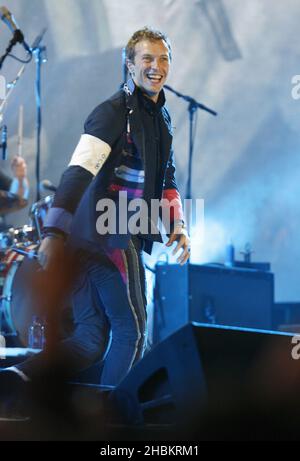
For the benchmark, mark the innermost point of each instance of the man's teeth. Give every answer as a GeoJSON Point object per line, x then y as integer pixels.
{"type": "Point", "coordinates": [155, 78]}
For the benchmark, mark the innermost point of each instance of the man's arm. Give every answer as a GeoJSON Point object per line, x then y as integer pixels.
{"type": "Point", "coordinates": [171, 199]}
{"type": "Point", "coordinates": [19, 184]}
{"type": "Point", "coordinates": [101, 131]}
{"type": "Point", "coordinates": [15, 190]}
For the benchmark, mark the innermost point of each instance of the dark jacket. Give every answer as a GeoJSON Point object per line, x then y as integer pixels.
{"type": "Point", "coordinates": [79, 191]}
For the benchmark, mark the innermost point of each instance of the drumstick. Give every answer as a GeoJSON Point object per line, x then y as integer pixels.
{"type": "Point", "coordinates": [20, 131]}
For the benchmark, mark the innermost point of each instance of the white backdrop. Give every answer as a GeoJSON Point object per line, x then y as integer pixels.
{"type": "Point", "coordinates": [246, 161]}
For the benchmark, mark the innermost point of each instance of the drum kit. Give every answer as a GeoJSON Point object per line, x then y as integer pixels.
{"type": "Point", "coordinates": [18, 261]}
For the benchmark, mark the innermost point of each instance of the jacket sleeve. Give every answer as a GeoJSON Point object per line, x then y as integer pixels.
{"type": "Point", "coordinates": [172, 210]}
{"type": "Point", "coordinates": [101, 130]}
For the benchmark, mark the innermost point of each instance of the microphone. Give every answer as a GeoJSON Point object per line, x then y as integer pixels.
{"type": "Point", "coordinates": [11, 23]}
{"type": "Point", "coordinates": [46, 185]}
{"type": "Point", "coordinates": [4, 141]}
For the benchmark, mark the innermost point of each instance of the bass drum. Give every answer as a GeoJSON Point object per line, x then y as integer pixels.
{"type": "Point", "coordinates": [17, 300]}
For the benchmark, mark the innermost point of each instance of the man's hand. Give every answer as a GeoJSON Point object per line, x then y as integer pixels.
{"type": "Point", "coordinates": [51, 253]}
{"type": "Point", "coordinates": [180, 235]}
{"type": "Point", "coordinates": [20, 185]}
{"type": "Point", "coordinates": [19, 167]}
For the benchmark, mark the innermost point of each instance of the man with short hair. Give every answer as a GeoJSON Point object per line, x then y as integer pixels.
{"type": "Point", "coordinates": [126, 149]}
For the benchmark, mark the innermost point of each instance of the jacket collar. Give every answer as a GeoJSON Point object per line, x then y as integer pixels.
{"type": "Point", "coordinates": [132, 92]}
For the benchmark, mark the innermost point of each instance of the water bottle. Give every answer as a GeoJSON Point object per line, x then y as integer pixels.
{"type": "Point", "coordinates": [36, 334]}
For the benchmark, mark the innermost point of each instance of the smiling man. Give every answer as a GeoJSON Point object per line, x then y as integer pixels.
{"type": "Point", "coordinates": [149, 62]}
{"type": "Point", "coordinates": [126, 148]}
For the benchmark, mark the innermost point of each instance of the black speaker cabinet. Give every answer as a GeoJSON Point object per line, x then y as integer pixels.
{"type": "Point", "coordinates": [216, 379]}
{"type": "Point", "coordinates": [211, 294]}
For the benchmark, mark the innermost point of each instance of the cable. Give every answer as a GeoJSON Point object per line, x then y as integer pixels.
{"type": "Point", "coordinates": [23, 61]}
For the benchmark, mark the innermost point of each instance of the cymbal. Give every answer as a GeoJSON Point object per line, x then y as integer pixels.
{"type": "Point", "coordinates": [10, 202]}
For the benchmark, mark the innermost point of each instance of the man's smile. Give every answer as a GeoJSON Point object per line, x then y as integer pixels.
{"type": "Point", "coordinates": [154, 77]}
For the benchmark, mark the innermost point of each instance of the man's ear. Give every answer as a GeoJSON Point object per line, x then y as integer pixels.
{"type": "Point", "coordinates": [130, 67]}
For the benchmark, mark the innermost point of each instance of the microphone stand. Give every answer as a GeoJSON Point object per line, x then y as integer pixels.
{"type": "Point", "coordinates": [39, 52]}
{"type": "Point", "coordinates": [192, 107]}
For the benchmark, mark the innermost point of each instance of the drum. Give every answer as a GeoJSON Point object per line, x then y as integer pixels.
{"type": "Point", "coordinates": [25, 236]}
{"type": "Point", "coordinates": [38, 213]}
{"type": "Point", "coordinates": [17, 304]}
{"type": "Point", "coordinates": [18, 301]}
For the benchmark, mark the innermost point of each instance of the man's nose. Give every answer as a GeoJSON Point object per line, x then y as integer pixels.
{"type": "Point", "coordinates": [155, 63]}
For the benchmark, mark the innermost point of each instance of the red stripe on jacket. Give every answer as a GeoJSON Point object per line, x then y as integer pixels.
{"type": "Point", "coordinates": [175, 204]}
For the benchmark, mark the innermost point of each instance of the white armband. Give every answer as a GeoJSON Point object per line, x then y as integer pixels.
{"type": "Point", "coordinates": [90, 153]}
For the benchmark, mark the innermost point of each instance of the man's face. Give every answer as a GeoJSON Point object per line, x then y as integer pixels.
{"type": "Point", "coordinates": [150, 67]}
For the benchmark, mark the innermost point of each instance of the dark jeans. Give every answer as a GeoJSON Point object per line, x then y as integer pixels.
{"type": "Point", "coordinates": [109, 308]}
